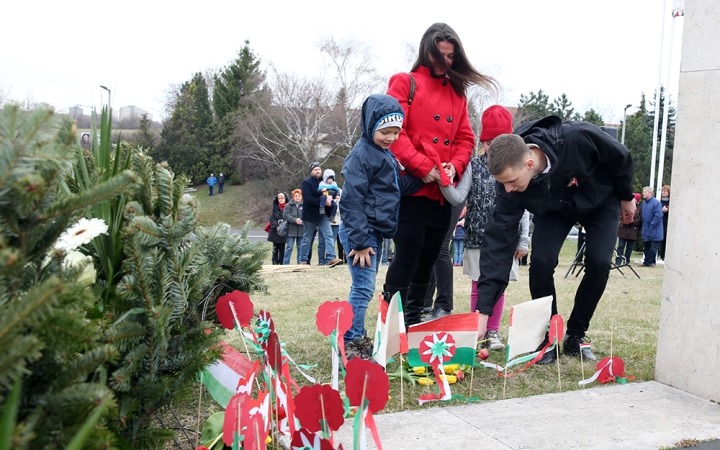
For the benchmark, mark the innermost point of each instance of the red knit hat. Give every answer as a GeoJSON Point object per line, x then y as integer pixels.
{"type": "Point", "coordinates": [496, 120]}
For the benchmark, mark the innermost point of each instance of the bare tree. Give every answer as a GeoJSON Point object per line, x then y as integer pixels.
{"type": "Point", "coordinates": [355, 77]}
{"type": "Point", "coordinates": [289, 129]}
{"type": "Point", "coordinates": [4, 95]}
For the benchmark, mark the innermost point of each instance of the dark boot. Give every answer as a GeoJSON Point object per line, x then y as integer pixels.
{"type": "Point", "coordinates": [389, 291]}
{"type": "Point", "coordinates": [415, 303]}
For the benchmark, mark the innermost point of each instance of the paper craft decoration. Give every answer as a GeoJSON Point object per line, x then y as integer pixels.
{"type": "Point", "coordinates": [305, 439]}
{"type": "Point", "coordinates": [367, 387]}
{"type": "Point", "coordinates": [528, 325]}
{"type": "Point", "coordinates": [322, 409]}
{"type": "Point", "coordinates": [390, 333]}
{"type": "Point", "coordinates": [434, 350]}
{"type": "Point", "coordinates": [223, 376]}
{"type": "Point", "coordinates": [264, 325]}
{"type": "Point", "coordinates": [240, 303]}
{"type": "Point", "coordinates": [462, 327]}
{"type": "Point", "coordinates": [334, 319]}
{"type": "Point", "coordinates": [609, 369]}
{"type": "Point", "coordinates": [231, 424]}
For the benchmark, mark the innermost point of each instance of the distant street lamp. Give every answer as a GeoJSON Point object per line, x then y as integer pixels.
{"type": "Point", "coordinates": [622, 140]}
{"type": "Point", "coordinates": [108, 91]}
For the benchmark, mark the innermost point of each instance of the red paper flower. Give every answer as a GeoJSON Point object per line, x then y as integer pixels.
{"type": "Point", "coordinates": [368, 378]}
{"type": "Point", "coordinates": [331, 315]}
{"type": "Point", "coordinates": [555, 329]}
{"type": "Point", "coordinates": [314, 401]}
{"type": "Point", "coordinates": [304, 439]}
{"type": "Point", "coordinates": [243, 308]}
{"type": "Point", "coordinates": [609, 370]}
{"type": "Point", "coordinates": [437, 348]}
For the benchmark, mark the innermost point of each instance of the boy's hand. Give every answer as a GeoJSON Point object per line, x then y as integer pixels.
{"type": "Point", "coordinates": [434, 175]}
{"type": "Point", "coordinates": [363, 256]}
{"type": "Point", "coordinates": [627, 209]}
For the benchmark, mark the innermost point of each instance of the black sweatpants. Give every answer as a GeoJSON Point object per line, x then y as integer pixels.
{"type": "Point", "coordinates": [601, 233]}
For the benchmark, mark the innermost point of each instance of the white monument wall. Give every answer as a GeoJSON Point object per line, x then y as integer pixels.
{"type": "Point", "coordinates": [688, 353]}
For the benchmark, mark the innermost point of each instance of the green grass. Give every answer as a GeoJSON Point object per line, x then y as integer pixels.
{"type": "Point", "coordinates": [226, 208]}
{"type": "Point", "coordinates": [629, 307]}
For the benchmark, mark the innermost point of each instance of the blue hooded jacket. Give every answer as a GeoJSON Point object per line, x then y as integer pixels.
{"type": "Point", "coordinates": [373, 185]}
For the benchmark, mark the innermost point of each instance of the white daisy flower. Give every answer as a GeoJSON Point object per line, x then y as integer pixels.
{"type": "Point", "coordinates": [81, 233]}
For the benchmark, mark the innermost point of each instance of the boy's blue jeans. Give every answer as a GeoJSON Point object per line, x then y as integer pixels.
{"type": "Point", "coordinates": [363, 284]}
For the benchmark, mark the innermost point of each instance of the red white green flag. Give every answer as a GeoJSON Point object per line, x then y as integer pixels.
{"type": "Point", "coordinates": [390, 334]}
{"type": "Point", "coordinates": [464, 329]}
{"type": "Point", "coordinates": [223, 377]}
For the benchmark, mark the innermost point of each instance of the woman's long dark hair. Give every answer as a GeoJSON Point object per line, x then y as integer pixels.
{"type": "Point", "coordinates": [461, 74]}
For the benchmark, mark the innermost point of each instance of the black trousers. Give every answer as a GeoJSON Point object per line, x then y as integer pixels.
{"type": "Point", "coordinates": [278, 253]}
{"type": "Point", "coordinates": [547, 240]}
{"type": "Point", "coordinates": [442, 273]}
{"type": "Point", "coordinates": [416, 249]}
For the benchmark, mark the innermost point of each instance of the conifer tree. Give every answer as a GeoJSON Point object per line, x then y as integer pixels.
{"type": "Point", "coordinates": [47, 334]}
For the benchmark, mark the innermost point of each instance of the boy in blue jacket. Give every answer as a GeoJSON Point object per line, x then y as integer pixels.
{"type": "Point", "coordinates": [371, 199]}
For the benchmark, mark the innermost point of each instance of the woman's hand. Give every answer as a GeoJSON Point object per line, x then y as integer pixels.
{"type": "Point", "coordinates": [520, 253]}
{"type": "Point", "coordinates": [433, 176]}
{"type": "Point", "coordinates": [363, 256]}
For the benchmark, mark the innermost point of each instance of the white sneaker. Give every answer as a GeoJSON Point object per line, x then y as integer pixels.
{"type": "Point", "coordinates": [493, 339]}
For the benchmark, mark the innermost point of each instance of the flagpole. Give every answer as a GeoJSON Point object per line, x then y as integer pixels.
{"type": "Point", "coordinates": [656, 121]}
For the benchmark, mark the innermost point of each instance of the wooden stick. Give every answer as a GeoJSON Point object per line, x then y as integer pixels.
{"type": "Point", "coordinates": [582, 366]}
{"type": "Point", "coordinates": [402, 381]}
{"type": "Point", "coordinates": [324, 425]}
{"type": "Point", "coordinates": [242, 339]}
{"type": "Point", "coordinates": [197, 436]}
{"type": "Point", "coordinates": [472, 373]}
{"type": "Point", "coordinates": [505, 379]}
{"type": "Point", "coordinates": [557, 356]}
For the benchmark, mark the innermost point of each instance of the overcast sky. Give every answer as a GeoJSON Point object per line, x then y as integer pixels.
{"type": "Point", "coordinates": [601, 54]}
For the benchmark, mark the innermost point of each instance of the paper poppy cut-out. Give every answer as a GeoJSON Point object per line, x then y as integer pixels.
{"type": "Point", "coordinates": [243, 308]}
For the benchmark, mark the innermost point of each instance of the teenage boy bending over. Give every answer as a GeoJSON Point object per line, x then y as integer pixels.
{"type": "Point", "coordinates": [371, 198]}
{"type": "Point", "coordinates": [563, 173]}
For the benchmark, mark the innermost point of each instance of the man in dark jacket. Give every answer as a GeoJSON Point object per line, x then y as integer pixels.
{"type": "Point", "coordinates": [652, 226]}
{"type": "Point", "coordinates": [563, 173]}
{"type": "Point", "coordinates": [311, 218]}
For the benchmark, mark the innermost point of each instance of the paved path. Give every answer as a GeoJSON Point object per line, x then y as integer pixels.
{"type": "Point", "coordinates": [635, 416]}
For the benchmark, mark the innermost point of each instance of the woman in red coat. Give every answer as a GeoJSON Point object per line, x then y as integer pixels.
{"type": "Point", "coordinates": [435, 144]}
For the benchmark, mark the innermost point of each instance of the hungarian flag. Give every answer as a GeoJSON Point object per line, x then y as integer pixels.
{"type": "Point", "coordinates": [390, 334]}
{"type": "Point", "coordinates": [463, 328]}
{"type": "Point", "coordinates": [222, 377]}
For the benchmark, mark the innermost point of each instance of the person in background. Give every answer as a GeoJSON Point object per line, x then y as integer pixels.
{"type": "Point", "coordinates": [212, 181]}
{"type": "Point", "coordinates": [652, 226]}
{"type": "Point", "coordinates": [276, 215]}
{"type": "Point", "coordinates": [458, 239]}
{"type": "Point", "coordinates": [221, 183]}
{"type": "Point", "coordinates": [628, 233]}
{"type": "Point", "coordinates": [386, 251]}
{"type": "Point", "coordinates": [312, 219]}
{"type": "Point", "coordinates": [292, 215]}
{"type": "Point", "coordinates": [665, 202]}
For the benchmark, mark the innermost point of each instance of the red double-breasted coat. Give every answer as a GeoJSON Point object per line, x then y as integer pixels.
{"type": "Point", "coordinates": [436, 129]}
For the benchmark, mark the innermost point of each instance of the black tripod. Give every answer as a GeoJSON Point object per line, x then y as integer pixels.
{"type": "Point", "coordinates": [580, 265]}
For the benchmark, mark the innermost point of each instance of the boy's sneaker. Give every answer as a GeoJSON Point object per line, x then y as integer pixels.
{"type": "Point", "coordinates": [492, 340]}
{"type": "Point", "coordinates": [571, 346]}
{"type": "Point", "coordinates": [364, 347]}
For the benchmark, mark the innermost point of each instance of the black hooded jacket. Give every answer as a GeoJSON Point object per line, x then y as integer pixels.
{"type": "Point", "coordinates": [373, 184]}
{"type": "Point", "coordinates": [588, 168]}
